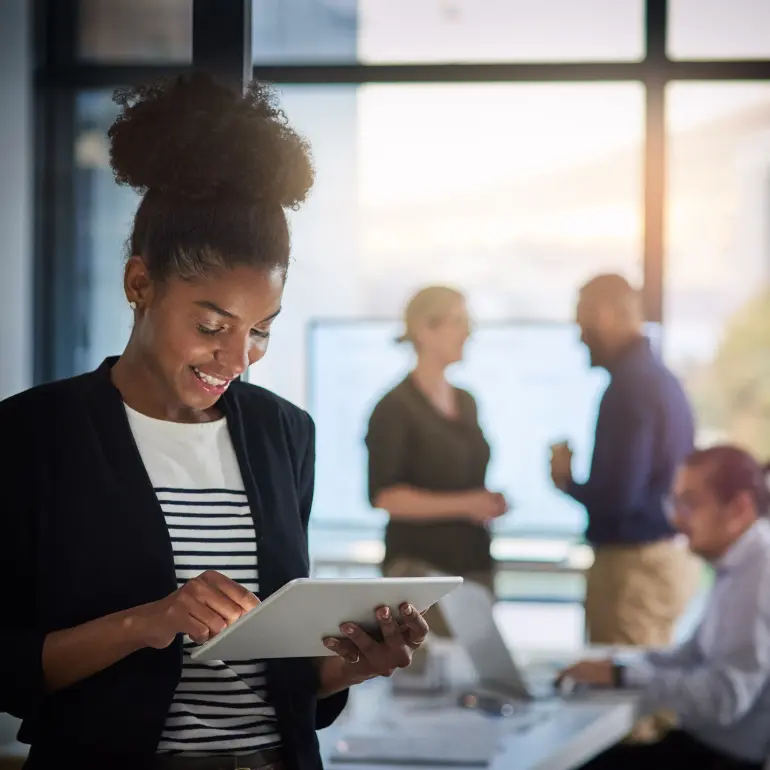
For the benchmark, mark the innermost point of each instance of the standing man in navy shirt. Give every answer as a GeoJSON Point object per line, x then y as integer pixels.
{"type": "Point", "coordinates": [642, 575]}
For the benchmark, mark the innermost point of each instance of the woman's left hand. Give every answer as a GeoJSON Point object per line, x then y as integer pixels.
{"type": "Point", "coordinates": [368, 658]}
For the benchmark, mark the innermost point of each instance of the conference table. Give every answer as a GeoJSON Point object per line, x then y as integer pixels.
{"type": "Point", "coordinates": [554, 734]}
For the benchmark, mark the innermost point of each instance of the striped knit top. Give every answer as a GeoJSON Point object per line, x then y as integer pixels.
{"type": "Point", "coordinates": [219, 706]}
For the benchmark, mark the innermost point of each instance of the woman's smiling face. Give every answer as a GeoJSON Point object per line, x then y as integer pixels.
{"type": "Point", "coordinates": [197, 335]}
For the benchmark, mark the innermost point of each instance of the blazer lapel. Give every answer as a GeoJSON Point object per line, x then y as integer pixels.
{"type": "Point", "coordinates": [246, 452]}
{"type": "Point", "coordinates": [264, 479]}
{"type": "Point", "coordinates": [145, 516]}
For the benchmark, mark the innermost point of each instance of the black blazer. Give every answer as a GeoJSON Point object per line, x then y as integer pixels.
{"type": "Point", "coordinates": [82, 535]}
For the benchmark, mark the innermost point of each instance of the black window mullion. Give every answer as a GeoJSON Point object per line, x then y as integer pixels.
{"type": "Point", "coordinates": [61, 298]}
{"type": "Point", "coordinates": [222, 40]}
{"type": "Point", "coordinates": [654, 158]}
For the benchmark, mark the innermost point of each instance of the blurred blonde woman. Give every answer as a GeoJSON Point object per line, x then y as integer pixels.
{"type": "Point", "coordinates": [428, 456]}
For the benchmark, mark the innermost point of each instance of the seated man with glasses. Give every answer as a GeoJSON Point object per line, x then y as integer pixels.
{"type": "Point", "coordinates": [717, 682]}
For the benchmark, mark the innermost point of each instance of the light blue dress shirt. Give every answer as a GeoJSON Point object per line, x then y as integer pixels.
{"type": "Point", "coordinates": [718, 682]}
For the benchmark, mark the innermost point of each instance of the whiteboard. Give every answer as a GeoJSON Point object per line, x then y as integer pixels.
{"type": "Point", "coordinates": [533, 386]}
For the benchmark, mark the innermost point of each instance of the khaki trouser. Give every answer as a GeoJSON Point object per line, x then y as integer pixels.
{"type": "Point", "coordinates": [636, 594]}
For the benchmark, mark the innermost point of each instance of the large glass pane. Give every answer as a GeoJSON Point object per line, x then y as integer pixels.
{"type": "Point", "coordinates": [104, 218]}
{"type": "Point", "coordinates": [718, 29]}
{"type": "Point", "coordinates": [718, 268]}
{"type": "Point", "coordinates": [304, 31]}
{"type": "Point", "coordinates": [135, 30]}
{"type": "Point", "coordinates": [399, 31]}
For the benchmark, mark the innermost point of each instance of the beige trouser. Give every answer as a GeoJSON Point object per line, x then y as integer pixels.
{"type": "Point", "coordinates": [634, 596]}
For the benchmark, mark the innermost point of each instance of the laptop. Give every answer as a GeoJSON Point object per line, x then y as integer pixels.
{"type": "Point", "coordinates": [469, 614]}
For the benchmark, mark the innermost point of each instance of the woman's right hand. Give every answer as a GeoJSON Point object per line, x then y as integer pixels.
{"type": "Point", "coordinates": [201, 608]}
{"type": "Point", "coordinates": [483, 506]}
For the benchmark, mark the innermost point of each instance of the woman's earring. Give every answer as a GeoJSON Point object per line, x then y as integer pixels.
{"type": "Point", "coordinates": [132, 305]}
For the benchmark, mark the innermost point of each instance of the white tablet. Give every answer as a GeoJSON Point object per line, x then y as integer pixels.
{"type": "Point", "coordinates": [294, 621]}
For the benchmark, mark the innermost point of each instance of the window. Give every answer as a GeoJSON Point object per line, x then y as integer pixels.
{"type": "Point", "coordinates": [516, 192]}
{"type": "Point", "coordinates": [304, 31]}
{"type": "Point", "coordinates": [718, 29]}
{"type": "Point", "coordinates": [398, 31]}
{"type": "Point", "coordinates": [513, 191]}
{"type": "Point", "coordinates": [136, 31]}
{"type": "Point", "coordinates": [717, 312]}
{"type": "Point", "coordinates": [105, 215]}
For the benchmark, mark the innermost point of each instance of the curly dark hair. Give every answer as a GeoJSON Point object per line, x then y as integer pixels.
{"type": "Point", "coordinates": [216, 170]}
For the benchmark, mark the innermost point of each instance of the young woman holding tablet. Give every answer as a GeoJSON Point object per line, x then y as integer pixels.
{"type": "Point", "coordinates": [146, 505]}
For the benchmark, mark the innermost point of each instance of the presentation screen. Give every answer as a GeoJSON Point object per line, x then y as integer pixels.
{"type": "Point", "coordinates": [533, 386]}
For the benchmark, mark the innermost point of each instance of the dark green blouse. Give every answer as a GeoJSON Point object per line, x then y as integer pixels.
{"type": "Point", "coordinates": [410, 442]}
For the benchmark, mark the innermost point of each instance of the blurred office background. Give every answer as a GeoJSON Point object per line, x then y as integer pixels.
{"type": "Point", "coordinates": [511, 147]}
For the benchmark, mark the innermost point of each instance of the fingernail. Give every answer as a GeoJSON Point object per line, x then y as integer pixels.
{"type": "Point", "coordinates": [384, 613]}
{"type": "Point", "coordinates": [408, 610]}
{"type": "Point", "coordinates": [332, 644]}
{"type": "Point", "coordinates": [348, 629]}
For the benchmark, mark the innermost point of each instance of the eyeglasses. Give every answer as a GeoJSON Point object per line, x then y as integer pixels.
{"type": "Point", "coordinates": [674, 508]}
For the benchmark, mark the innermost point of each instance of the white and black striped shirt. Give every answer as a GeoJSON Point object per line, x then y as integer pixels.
{"type": "Point", "coordinates": [218, 707]}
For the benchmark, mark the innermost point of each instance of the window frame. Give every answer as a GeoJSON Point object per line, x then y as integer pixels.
{"type": "Point", "coordinates": [222, 44]}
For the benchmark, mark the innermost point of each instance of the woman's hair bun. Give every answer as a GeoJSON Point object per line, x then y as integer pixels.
{"type": "Point", "coordinates": [194, 138]}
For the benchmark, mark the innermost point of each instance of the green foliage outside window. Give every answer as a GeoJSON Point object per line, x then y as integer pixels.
{"type": "Point", "coordinates": [733, 395]}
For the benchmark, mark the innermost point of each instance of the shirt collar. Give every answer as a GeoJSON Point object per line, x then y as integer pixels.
{"type": "Point", "coordinates": [639, 346]}
{"type": "Point", "coordinates": [743, 546]}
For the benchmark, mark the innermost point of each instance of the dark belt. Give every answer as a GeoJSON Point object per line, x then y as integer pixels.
{"type": "Point", "coordinates": [268, 759]}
